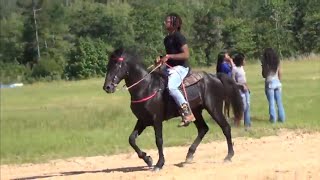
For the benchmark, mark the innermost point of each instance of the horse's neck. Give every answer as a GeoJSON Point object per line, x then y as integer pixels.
{"type": "Point", "coordinates": [140, 80]}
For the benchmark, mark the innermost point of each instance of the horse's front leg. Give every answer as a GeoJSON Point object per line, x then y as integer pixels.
{"type": "Point", "coordinates": [159, 141]}
{"type": "Point", "coordinates": [138, 129]}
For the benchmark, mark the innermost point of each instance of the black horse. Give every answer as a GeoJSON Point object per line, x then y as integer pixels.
{"type": "Point", "coordinates": [151, 103]}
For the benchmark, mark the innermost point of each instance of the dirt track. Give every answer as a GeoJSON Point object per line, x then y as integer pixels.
{"type": "Point", "coordinates": [291, 155]}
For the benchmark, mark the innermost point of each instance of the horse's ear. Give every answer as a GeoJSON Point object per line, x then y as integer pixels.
{"type": "Point", "coordinates": [117, 55]}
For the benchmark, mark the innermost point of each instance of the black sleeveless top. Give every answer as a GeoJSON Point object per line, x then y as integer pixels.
{"type": "Point", "coordinates": [173, 44]}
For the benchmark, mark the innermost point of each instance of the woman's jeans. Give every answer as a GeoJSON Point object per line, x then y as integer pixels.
{"type": "Point", "coordinates": [176, 75]}
{"type": "Point", "coordinates": [273, 93]}
{"type": "Point", "coordinates": [246, 107]}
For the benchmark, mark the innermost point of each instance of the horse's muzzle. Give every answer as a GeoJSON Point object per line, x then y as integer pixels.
{"type": "Point", "coordinates": [110, 88]}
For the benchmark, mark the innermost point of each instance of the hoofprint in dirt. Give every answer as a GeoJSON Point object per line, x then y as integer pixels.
{"type": "Point", "coordinates": [290, 155]}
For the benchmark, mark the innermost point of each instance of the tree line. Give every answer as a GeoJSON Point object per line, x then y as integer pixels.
{"type": "Point", "coordinates": [70, 39]}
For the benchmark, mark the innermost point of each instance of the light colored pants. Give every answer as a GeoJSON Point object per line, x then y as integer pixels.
{"type": "Point", "coordinates": [274, 96]}
{"type": "Point", "coordinates": [176, 75]}
{"type": "Point", "coordinates": [246, 106]}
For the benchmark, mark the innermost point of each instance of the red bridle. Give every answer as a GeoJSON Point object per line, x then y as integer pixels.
{"type": "Point", "coordinates": [120, 59]}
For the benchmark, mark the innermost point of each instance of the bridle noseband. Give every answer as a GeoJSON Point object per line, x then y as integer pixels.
{"type": "Point", "coordinates": [115, 78]}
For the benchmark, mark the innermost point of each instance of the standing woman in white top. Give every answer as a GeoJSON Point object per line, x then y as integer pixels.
{"type": "Point", "coordinates": [272, 73]}
{"type": "Point", "coordinates": [239, 75]}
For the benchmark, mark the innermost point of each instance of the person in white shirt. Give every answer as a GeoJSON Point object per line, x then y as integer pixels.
{"type": "Point", "coordinates": [239, 75]}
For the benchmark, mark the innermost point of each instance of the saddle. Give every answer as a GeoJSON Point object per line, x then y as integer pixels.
{"type": "Point", "coordinates": [192, 78]}
{"type": "Point", "coordinates": [192, 88]}
{"type": "Point", "coordinates": [192, 92]}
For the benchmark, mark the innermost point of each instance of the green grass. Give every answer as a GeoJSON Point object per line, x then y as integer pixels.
{"type": "Point", "coordinates": [45, 121]}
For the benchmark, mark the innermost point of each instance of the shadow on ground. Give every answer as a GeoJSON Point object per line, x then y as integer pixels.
{"type": "Point", "coordinates": [71, 173]}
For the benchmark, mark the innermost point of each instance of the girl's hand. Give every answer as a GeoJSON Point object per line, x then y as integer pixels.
{"type": "Point", "coordinates": [161, 59]}
{"type": "Point", "coordinates": [158, 60]}
{"type": "Point", "coordinates": [245, 88]}
{"type": "Point", "coordinates": [164, 58]}
{"type": "Point", "coordinates": [228, 58]}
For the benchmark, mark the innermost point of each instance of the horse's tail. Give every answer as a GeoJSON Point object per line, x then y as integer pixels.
{"type": "Point", "coordinates": [232, 95]}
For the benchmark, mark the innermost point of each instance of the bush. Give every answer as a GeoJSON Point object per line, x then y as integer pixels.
{"type": "Point", "coordinates": [87, 60]}
{"type": "Point", "coordinates": [13, 72]}
{"type": "Point", "coordinates": [48, 69]}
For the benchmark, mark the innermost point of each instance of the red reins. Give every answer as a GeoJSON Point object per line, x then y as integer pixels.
{"type": "Point", "coordinates": [144, 99]}
{"type": "Point", "coordinates": [120, 59]}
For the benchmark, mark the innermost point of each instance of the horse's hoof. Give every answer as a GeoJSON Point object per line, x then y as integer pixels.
{"type": "Point", "coordinates": [227, 159]}
{"type": "Point", "coordinates": [156, 169]}
{"type": "Point", "coordinates": [189, 159]}
{"type": "Point", "coordinates": [148, 160]}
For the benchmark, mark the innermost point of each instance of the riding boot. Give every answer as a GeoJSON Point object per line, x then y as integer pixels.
{"type": "Point", "coordinates": [186, 114]}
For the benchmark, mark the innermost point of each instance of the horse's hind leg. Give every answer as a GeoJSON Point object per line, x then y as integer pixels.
{"type": "Point", "coordinates": [202, 130]}
{"type": "Point", "coordinates": [138, 129]}
{"type": "Point", "coordinates": [217, 115]}
{"type": "Point", "coordinates": [226, 109]}
{"type": "Point", "coordinates": [159, 141]}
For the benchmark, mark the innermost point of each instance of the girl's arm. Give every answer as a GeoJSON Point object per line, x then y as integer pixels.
{"type": "Point", "coordinates": [279, 73]}
{"type": "Point", "coordinates": [181, 56]}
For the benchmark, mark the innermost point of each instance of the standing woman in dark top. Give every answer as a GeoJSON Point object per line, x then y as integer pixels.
{"type": "Point", "coordinates": [271, 71]}
{"type": "Point", "coordinates": [225, 64]}
{"type": "Point", "coordinates": [177, 54]}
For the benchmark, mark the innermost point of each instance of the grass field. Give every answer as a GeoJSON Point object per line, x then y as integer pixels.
{"type": "Point", "coordinates": [61, 119]}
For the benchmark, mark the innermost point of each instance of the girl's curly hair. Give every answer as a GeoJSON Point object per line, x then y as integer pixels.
{"type": "Point", "coordinates": [176, 21]}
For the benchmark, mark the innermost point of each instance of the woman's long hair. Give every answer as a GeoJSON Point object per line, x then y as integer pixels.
{"type": "Point", "coordinates": [270, 59]}
{"type": "Point", "coordinates": [220, 59]}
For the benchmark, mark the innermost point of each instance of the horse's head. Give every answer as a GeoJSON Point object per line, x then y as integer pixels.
{"type": "Point", "coordinates": [117, 69]}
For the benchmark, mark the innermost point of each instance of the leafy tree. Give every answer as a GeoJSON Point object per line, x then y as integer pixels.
{"type": "Point", "coordinates": [53, 29]}
{"type": "Point", "coordinates": [311, 33]}
{"type": "Point", "coordinates": [29, 38]}
{"type": "Point", "coordinates": [238, 36]}
{"type": "Point", "coordinates": [11, 44]}
{"type": "Point", "coordinates": [208, 27]}
{"type": "Point", "coordinates": [110, 23]}
{"type": "Point", "coordinates": [88, 59]}
{"type": "Point", "coordinates": [271, 28]}
{"type": "Point", "coordinates": [305, 25]}
{"type": "Point", "coordinates": [149, 31]}
{"type": "Point", "coordinates": [7, 7]}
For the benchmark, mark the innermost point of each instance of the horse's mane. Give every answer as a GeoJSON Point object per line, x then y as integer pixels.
{"type": "Point", "coordinates": [129, 54]}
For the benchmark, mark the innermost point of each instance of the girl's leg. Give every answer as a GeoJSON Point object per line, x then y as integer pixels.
{"type": "Point", "coordinates": [176, 75]}
{"type": "Point", "coordinates": [243, 96]}
{"type": "Point", "coordinates": [175, 79]}
{"type": "Point", "coordinates": [270, 96]}
{"type": "Point", "coordinates": [247, 121]}
{"type": "Point", "coordinates": [278, 97]}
